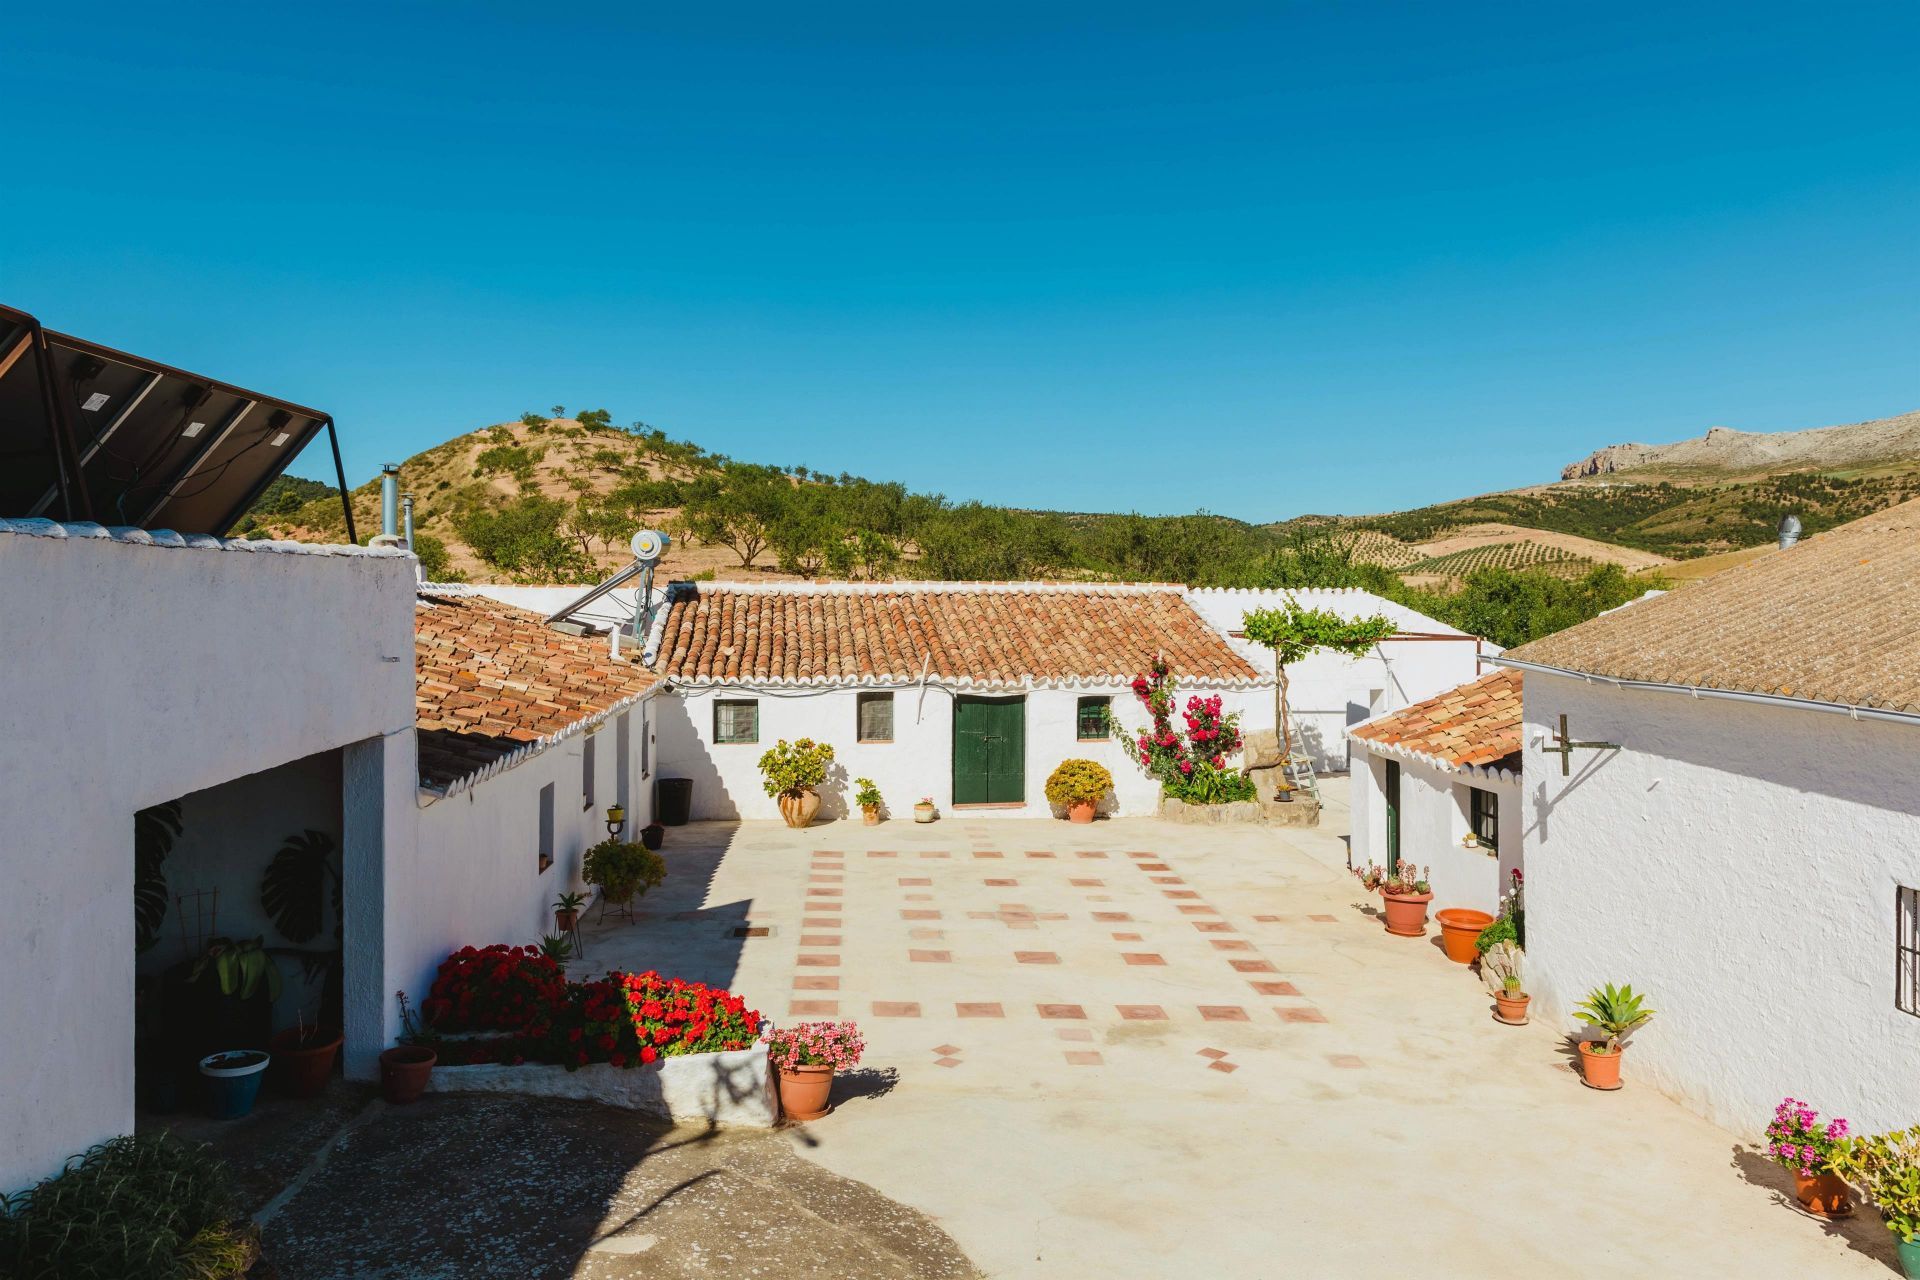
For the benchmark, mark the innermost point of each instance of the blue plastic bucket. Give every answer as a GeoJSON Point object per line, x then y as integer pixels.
{"type": "Point", "coordinates": [232, 1081]}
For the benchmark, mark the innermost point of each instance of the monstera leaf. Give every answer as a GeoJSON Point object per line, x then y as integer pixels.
{"type": "Point", "coordinates": [294, 887]}
{"type": "Point", "coordinates": [154, 831]}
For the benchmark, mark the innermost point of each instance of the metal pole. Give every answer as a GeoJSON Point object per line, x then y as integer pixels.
{"type": "Point", "coordinates": [340, 473]}
{"type": "Point", "coordinates": [390, 500]}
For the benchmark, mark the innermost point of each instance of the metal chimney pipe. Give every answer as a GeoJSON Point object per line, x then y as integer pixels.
{"type": "Point", "coordinates": [1789, 530]}
{"type": "Point", "coordinates": [390, 499]}
{"type": "Point", "coordinates": [406, 519]}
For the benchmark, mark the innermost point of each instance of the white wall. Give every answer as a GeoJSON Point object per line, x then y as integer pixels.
{"type": "Point", "coordinates": [135, 674]}
{"type": "Point", "coordinates": [1434, 818]}
{"type": "Point", "coordinates": [1327, 692]}
{"type": "Point", "coordinates": [1738, 863]}
{"type": "Point", "coordinates": [919, 760]}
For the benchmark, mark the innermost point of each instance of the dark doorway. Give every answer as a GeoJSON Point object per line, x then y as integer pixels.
{"type": "Point", "coordinates": [990, 750]}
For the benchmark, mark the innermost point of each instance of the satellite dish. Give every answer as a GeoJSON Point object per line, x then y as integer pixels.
{"type": "Point", "coordinates": [649, 545]}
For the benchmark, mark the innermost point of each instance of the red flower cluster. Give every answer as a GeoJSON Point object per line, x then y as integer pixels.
{"type": "Point", "coordinates": [496, 988]}
{"type": "Point", "coordinates": [625, 1019]}
{"type": "Point", "coordinates": [1210, 736]}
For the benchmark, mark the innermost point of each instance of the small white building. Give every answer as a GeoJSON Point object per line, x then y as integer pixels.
{"type": "Point", "coordinates": [1438, 784]}
{"type": "Point", "coordinates": [1329, 692]}
{"type": "Point", "coordinates": [967, 692]}
{"type": "Point", "coordinates": [1734, 826]}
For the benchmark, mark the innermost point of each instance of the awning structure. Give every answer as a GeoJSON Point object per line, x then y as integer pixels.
{"type": "Point", "coordinates": [91, 433]}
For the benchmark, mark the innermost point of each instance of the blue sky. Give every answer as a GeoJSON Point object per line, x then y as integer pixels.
{"type": "Point", "coordinates": [1262, 260]}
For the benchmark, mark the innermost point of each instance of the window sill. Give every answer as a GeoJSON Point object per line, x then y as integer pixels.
{"type": "Point", "coordinates": [874, 742]}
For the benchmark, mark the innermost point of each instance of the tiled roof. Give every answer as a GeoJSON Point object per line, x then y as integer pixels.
{"type": "Point", "coordinates": [1474, 725]}
{"type": "Point", "coordinates": [998, 634]}
{"type": "Point", "coordinates": [490, 679]}
{"type": "Point", "coordinates": [1833, 620]}
{"type": "Point", "coordinates": [132, 536]}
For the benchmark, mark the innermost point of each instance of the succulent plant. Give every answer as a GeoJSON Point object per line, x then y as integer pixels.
{"type": "Point", "coordinates": [1501, 969]}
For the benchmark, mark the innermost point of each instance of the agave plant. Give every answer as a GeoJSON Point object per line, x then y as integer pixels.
{"type": "Point", "coordinates": [557, 948]}
{"type": "Point", "coordinates": [1614, 1010]}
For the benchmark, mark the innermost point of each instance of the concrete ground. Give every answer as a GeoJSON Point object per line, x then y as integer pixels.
{"type": "Point", "coordinates": [1132, 1048]}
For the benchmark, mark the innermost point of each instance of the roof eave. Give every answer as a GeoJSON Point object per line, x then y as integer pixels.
{"type": "Point", "coordinates": [1852, 710]}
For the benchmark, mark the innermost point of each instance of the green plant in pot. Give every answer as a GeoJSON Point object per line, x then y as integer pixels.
{"type": "Point", "coordinates": [1078, 786]}
{"type": "Point", "coordinates": [1887, 1167]}
{"type": "Point", "coordinates": [566, 911]}
{"type": "Point", "coordinates": [1615, 1011]}
{"type": "Point", "coordinates": [867, 796]}
{"type": "Point", "coordinates": [792, 773]}
{"type": "Point", "coordinates": [622, 869]}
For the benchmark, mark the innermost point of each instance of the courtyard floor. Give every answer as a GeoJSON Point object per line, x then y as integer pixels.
{"type": "Point", "coordinates": [1134, 1047]}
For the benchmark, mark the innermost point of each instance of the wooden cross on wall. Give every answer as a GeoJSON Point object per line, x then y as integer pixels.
{"type": "Point", "coordinates": [1563, 746]}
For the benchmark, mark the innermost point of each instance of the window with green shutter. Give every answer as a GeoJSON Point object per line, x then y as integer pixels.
{"type": "Point", "coordinates": [736, 720]}
{"type": "Point", "coordinates": [1095, 719]}
{"type": "Point", "coordinates": [875, 718]}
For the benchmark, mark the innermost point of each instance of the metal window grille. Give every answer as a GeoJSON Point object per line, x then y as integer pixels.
{"type": "Point", "coordinates": [1906, 950]}
{"type": "Point", "coordinates": [736, 721]}
{"type": "Point", "coordinates": [1484, 809]}
{"type": "Point", "coordinates": [1095, 719]}
{"type": "Point", "coordinates": [875, 717]}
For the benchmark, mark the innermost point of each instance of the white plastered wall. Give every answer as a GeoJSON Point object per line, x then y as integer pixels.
{"type": "Point", "coordinates": [135, 674]}
{"type": "Point", "coordinates": [1738, 863]}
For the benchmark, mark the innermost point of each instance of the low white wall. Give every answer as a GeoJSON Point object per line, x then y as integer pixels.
{"type": "Point", "coordinates": [1434, 818]}
{"type": "Point", "coordinates": [1738, 863]}
{"type": "Point", "coordinates": [734, 1088]}
{"type": "Point", "coordinates": [919, 760]}
{"type": "Point", "coordinates": [135, 674]}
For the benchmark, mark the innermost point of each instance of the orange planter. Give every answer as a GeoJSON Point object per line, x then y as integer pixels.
{"type": "Point", "coordinates": [804, 1090]}
{"type": "Point", "coordinates": [1406, 913]}
{"type": "Point", "coordinates": [1511, 1009]}
{"type": "Point", "coordinates": [1824, 1195]}
{"type": "Point", "coordinates": [1080, 812]}
{"type": "Point", "coordinates": [1600, 1070]}
{"type": "Point", "coordinates": [1459, 929]}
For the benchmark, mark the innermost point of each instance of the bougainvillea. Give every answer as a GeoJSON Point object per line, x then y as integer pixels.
{"type": "Point", "coordinates": [817, 1044]}
{"type": "Point", "coordinates": [496, 988]}
{"type": "Point", "coordinates": [1798, 1140]}
{"type": "Point", "coordinates": [1192, 766]}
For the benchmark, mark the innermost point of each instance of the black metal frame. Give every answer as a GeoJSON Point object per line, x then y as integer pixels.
{"type": "Point", "coordinates": [1906, 950]}
{"type": "Point", "coordinates": [1483, 807]}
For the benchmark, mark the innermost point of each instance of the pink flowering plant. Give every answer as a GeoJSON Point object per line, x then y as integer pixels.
{"type": "Point", "coordinates": [1191, 765]}
{"type": "Point", "coordinates": [817, 1044]}
{"type": "Point", "coordinates": [1798, 1141]}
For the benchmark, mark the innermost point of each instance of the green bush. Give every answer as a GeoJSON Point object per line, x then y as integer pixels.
{"type": "Point", "coordinates": [148, 1205]}
{"type": "Point", "coordinates": [1078, 782]}
{"type": "Point", "coordinates": [791, 767]}
{"type": "Point", "coordinates": [622, 869]}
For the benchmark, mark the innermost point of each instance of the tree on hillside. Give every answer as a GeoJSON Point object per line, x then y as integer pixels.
{"type": "Point", "coordinates": [592, 520]}
{"type": "Point", "coordinates": [595, 419]}
{"type": "Point", "coordinates": [737, 509]}
{"type": "Point", "coordinates": [523, 539]}
{"type": "Point", "coordinates": [1294, 632]}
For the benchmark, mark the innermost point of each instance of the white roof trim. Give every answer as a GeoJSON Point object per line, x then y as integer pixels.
{"type": "Point", "coordinates": [128, 535]}
{"type": "Point", "coordinates": [526, 751]}
{"type": "Point", "coordinates": [1701, 691]}
{"type": "Point", "coordinates": [1400, 751]}
{"type": "Point", "coordinates": [824, 684]}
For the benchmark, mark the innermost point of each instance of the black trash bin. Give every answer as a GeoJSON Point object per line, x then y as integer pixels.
{"type": "Point", "coordinates": [672, 801]}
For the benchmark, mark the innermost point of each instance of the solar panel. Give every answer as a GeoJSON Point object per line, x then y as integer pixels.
{"type": "Point", "coordinates": [90, 433]}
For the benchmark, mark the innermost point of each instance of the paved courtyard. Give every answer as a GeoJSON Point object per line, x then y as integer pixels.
{"type": "Point", "coordinates": [1133, 1047]}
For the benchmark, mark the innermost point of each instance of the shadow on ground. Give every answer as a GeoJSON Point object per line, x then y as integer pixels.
{"type": "Point", "coordinates": [1863, 1232]}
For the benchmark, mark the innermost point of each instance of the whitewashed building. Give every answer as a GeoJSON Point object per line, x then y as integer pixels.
{"type": "Point", "coordinates": [970, 693]}
{"type": "Point", "coordinates": [1438, 784]}
{"type": "Point", "coordinates": [1734, 826]}
{"type": "Point", "coordinates": [1329, 692]}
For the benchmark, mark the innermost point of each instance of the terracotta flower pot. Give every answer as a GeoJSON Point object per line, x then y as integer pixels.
{"type": "Point", "coordinates": [565, 921]}
{"type": "Point", "coordinates": [404, 1070]}
{"type": "Point", "coordinates": [301, 1069]}
{"type": "Point", "coordinates": [1406, 913]}
{"type": "Point", "coordinates": [1511, 1009]}
{"type": "Point", "coordinates": [1825, 1195]}
{"type": "Point", "coordinates": [1080, 811]}
{"type": "Point", "coordinates": [871, 812]}
{"type": "Point", "coordinates": [798, 807]}
{"type": "Point", "coordinates": [804, 1090]}
{"type": "Point", "coordinates": [1459, 929]}
{"type": "Point", "coordinates": [1600, 1070]}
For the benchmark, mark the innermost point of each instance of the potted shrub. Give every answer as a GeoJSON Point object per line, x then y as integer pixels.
{"type": "Point", "coordinates": [566, 911]}
{"type": "Point", "coordinates": [1799, 1143]}
{"type": "Point", "coordinates": [1404, 895]}
{"type": "Point", "coordinates": [1078, 786]}
{"type": "Point", "coordinates": [868, 798]}
{"type": "Point", "coordinates": [923, 810]}
{"type": "Point", "coordinates": [303, 1057]}
{"type": "Point", "coordinates": [232, 1081]}
{"type": "Point", "coordinates": [805, 1056]}
{"type": "Point", "coordinates": [1500, 969]}
{"type": "Point", "coordinates": [1887, 1165]}
{"type": "Point", "coordinates": [653, 835]}
{"type": "Point", "coordinates": [406, 1068]}
{"type": "Point", "coordinates": [621, 869]}
{"type": "Point", "coordinates": [792, 773]}
{"type": "Point", "coordinates": [1614, 1011]}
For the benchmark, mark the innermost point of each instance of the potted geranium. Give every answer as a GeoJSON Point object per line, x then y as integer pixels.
{"type": "Point", "coordinates": [406, 1068]}
{"type": "Point", "coordinates": [1799, 1143]}
{"type": "Point", "coordinates": [1614, 1011]}
{"type": "Point", "coordinates": [792, 773]}
{"type": "Point", "coordinates": [805, 1056]}
{"type": "Point", "coordinates": [868, 798]}
{"type": "Point", "coordinates": [1078, 786]}
{"type": "Point", "coordinates": [1887, 1165]}
{"type": "Point", "coordinates": [1404, 895]}
{"type": "Point", "coordinates": [621, 869]}
{"type": "Point", "coordinates": [923, 810]}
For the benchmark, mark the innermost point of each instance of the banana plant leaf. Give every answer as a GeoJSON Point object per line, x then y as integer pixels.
{"type": "Point", "coordinates": [154, 831]}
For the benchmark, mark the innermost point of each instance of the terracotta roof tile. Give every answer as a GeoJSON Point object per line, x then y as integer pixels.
{"type": "Point", "coordinates": [489, 678]}
{"type": "Point", "coordinates": [1835, 619]}
{"type": "Point", "coordinates": [1477, 723]}
{"type": "Point", "coordinates": [984, 633]}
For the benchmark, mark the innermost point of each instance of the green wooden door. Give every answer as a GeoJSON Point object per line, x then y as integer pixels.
{"type": "Point", "coordinates": [1393, 814]}
{"type": "Point", "coordinates": [989, 750]}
